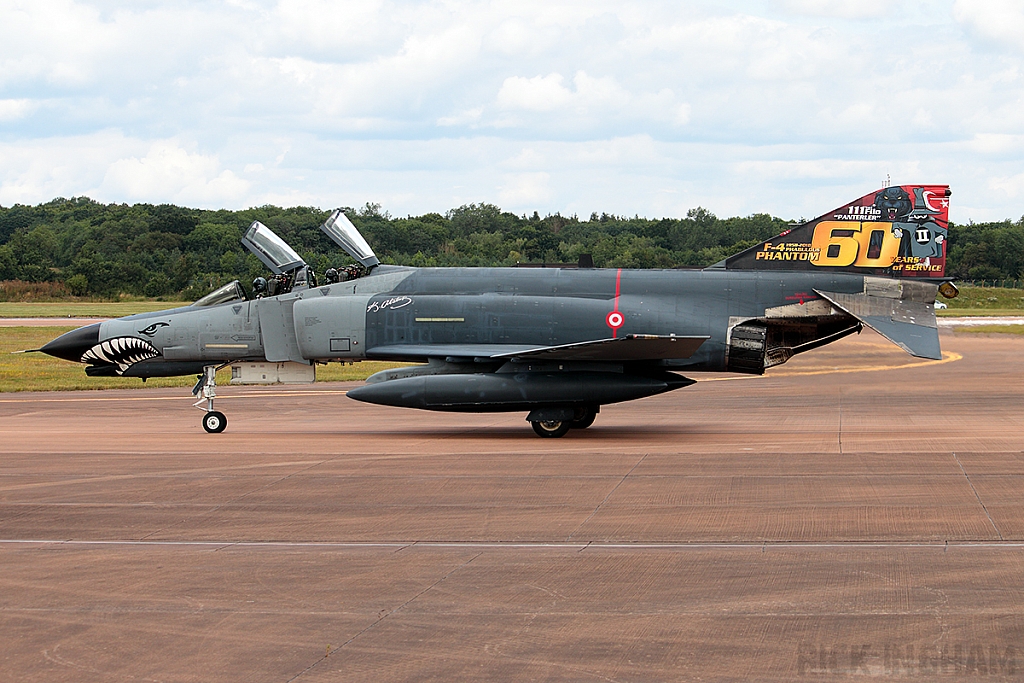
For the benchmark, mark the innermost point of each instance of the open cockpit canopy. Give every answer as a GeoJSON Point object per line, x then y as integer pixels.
{"type": "Point", "coordinates": [271, 249]}
{"type": "Point", "coordinates": [341, 231]}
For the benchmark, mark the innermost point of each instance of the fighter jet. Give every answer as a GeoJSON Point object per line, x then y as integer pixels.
{"type": "Point", "coordinates": [555, 343]}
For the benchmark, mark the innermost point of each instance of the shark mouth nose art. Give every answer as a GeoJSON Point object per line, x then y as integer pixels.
{"type": "Point", "coordinates": [120, 351]}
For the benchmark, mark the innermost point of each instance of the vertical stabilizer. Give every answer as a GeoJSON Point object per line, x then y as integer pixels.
{"type": "Point", "coordinates": [898, 231]}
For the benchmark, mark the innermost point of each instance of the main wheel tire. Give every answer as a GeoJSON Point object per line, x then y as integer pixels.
{"type": "Point", "coordinates": [214, 422]}
{"type": "Point", "coordinates": [551, 430]}
{"type": "Point", "coordinates": [584, 420]}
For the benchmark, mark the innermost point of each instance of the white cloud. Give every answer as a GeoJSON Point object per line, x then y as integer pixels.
{"type": "Point", "coordinates": [11, 110]}
{"type": "Point", "coordinates": [523, 190]}
{"type": "Point", "coordinates": [1012, 185]}
{"type": "Point", "coordinates": [168, 170]}
{"type": "Point", "coordinates": [57, 167]}
{"type": "Point", "coordinates": [469, 116]}
{"type": "Point", "coordinates": [540, 93]}
{"type": "Point", "coordinates": [996, 145]}
{"type": "Point", "coordinates": [568, 105]}
{"type": "Point", "coordinates": [999, 20]}
{"type": "Point", "coordinates": [591, 101]}
{"type": "Point", "coordinates": [844, 9]}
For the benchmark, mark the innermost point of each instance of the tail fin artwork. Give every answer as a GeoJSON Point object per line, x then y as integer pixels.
{"type": "Point", "coordinates": [898, 231]}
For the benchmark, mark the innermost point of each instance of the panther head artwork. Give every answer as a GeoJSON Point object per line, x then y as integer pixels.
{"type": "Point", "coordinates": [894, 203]}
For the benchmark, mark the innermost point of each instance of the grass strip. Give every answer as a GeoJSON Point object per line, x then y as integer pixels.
{"type": "Point", "coordinates": [39, 372]}
{"type": "Point", "coordinates": [991, 329]}
{"type": "Point", "coordinates": [82, 309]}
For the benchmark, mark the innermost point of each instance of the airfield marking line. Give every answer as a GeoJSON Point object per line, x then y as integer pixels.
{"type": "Point", "coordinates": [605, 500]}
{"type": "Point", "coordinates": [206, 511]}
{"type": "Point", "coordinates": [947, 357]}
{"type": "Point", "coordinates": [147, 475]}
{"type": "Point", "coordinates": [220, 397]}
{"type": "Point", "coordinates": [520, 545]}
{"type": "Point", "coordinates": [840, 420]}
{"type": "Point", "coordinates": [441, 580]}
{"type": "Point", "coordinates": [982, 504]}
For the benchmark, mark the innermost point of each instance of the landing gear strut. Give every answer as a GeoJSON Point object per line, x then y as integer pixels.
{"type": "Point", "coordinates": [214, 421]}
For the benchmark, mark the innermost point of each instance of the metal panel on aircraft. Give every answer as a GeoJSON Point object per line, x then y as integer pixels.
{"type": "Point", "coordinates": [277, 326]}
{"type": "Point", "coordinates": [331, 326]}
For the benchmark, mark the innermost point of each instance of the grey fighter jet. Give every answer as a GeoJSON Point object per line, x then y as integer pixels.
{"type": "Point", "coordinates": [555, 343]}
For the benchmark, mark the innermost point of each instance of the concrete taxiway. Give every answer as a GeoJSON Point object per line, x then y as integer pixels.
{"type": "Point", "coordinates": [855, 512]}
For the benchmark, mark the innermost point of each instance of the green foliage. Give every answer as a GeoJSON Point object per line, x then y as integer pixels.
{"type": "Point", "coordinates": [986, 251]}
{"type": "Point", "coordinates": [113, 250]}
{"type": "Point", "coordinates": [78, 285]}
{"type": "Point", "coordinates": [987, 298]}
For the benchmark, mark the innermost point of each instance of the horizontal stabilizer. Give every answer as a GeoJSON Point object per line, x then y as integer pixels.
{"type": "Point", "coordinates": [907, 323]}
{"type": "Point", "coordinates": [632, 347]}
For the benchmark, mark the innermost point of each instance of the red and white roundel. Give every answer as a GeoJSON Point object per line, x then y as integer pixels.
{"type": "Point", "coordinates": [614, 320]}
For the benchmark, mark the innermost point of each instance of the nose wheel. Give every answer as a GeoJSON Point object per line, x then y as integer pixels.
{"type": "Point", "coordinates": [214, 421]}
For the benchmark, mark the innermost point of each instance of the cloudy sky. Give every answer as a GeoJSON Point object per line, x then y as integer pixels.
{"type": "Point", "coordinates": [790, 107]}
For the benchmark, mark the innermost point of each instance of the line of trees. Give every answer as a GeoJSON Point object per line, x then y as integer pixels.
{"type": "Point", "coordinates": [96, 249]}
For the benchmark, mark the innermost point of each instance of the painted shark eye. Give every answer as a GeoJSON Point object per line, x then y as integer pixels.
{"type": "Point", "coordinates": [151, 330]}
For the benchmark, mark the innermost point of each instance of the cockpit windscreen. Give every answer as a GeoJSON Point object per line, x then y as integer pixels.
{"type": "Point", "coordinates": [230, 292]}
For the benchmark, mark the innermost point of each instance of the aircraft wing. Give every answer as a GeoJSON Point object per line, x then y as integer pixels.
{"type": "Point", "coordinates": [632, 347]}
{"type": "Point", "coordinates": [461, 352]}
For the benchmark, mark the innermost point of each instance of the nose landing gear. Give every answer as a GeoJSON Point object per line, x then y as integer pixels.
{"type": "Point", "coordinates": [214, 421]}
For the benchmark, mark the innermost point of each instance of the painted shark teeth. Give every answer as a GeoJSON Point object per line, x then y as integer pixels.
{"type": "Point", "coordinates": [120, 351]}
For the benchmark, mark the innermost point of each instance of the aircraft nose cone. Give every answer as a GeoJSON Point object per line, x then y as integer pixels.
{"type": "Point", "coordinates": [71, 345]}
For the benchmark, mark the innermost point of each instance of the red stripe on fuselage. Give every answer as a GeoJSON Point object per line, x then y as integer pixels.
{"type": "Point", "coordinates": [618, 287]}
{"type": "Point", "coordinates": [615, 315]}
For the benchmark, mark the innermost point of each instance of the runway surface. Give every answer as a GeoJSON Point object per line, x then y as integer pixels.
{"type": "Point", "coordinates": [855, 512]}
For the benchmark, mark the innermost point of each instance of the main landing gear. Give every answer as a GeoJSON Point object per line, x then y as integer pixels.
{"type": "Point", "coordinates": [214, 421]}
{"type": "Point", "coordinates": [556, 423]}
{"type": "Point", "coordinates": [551, 429]}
